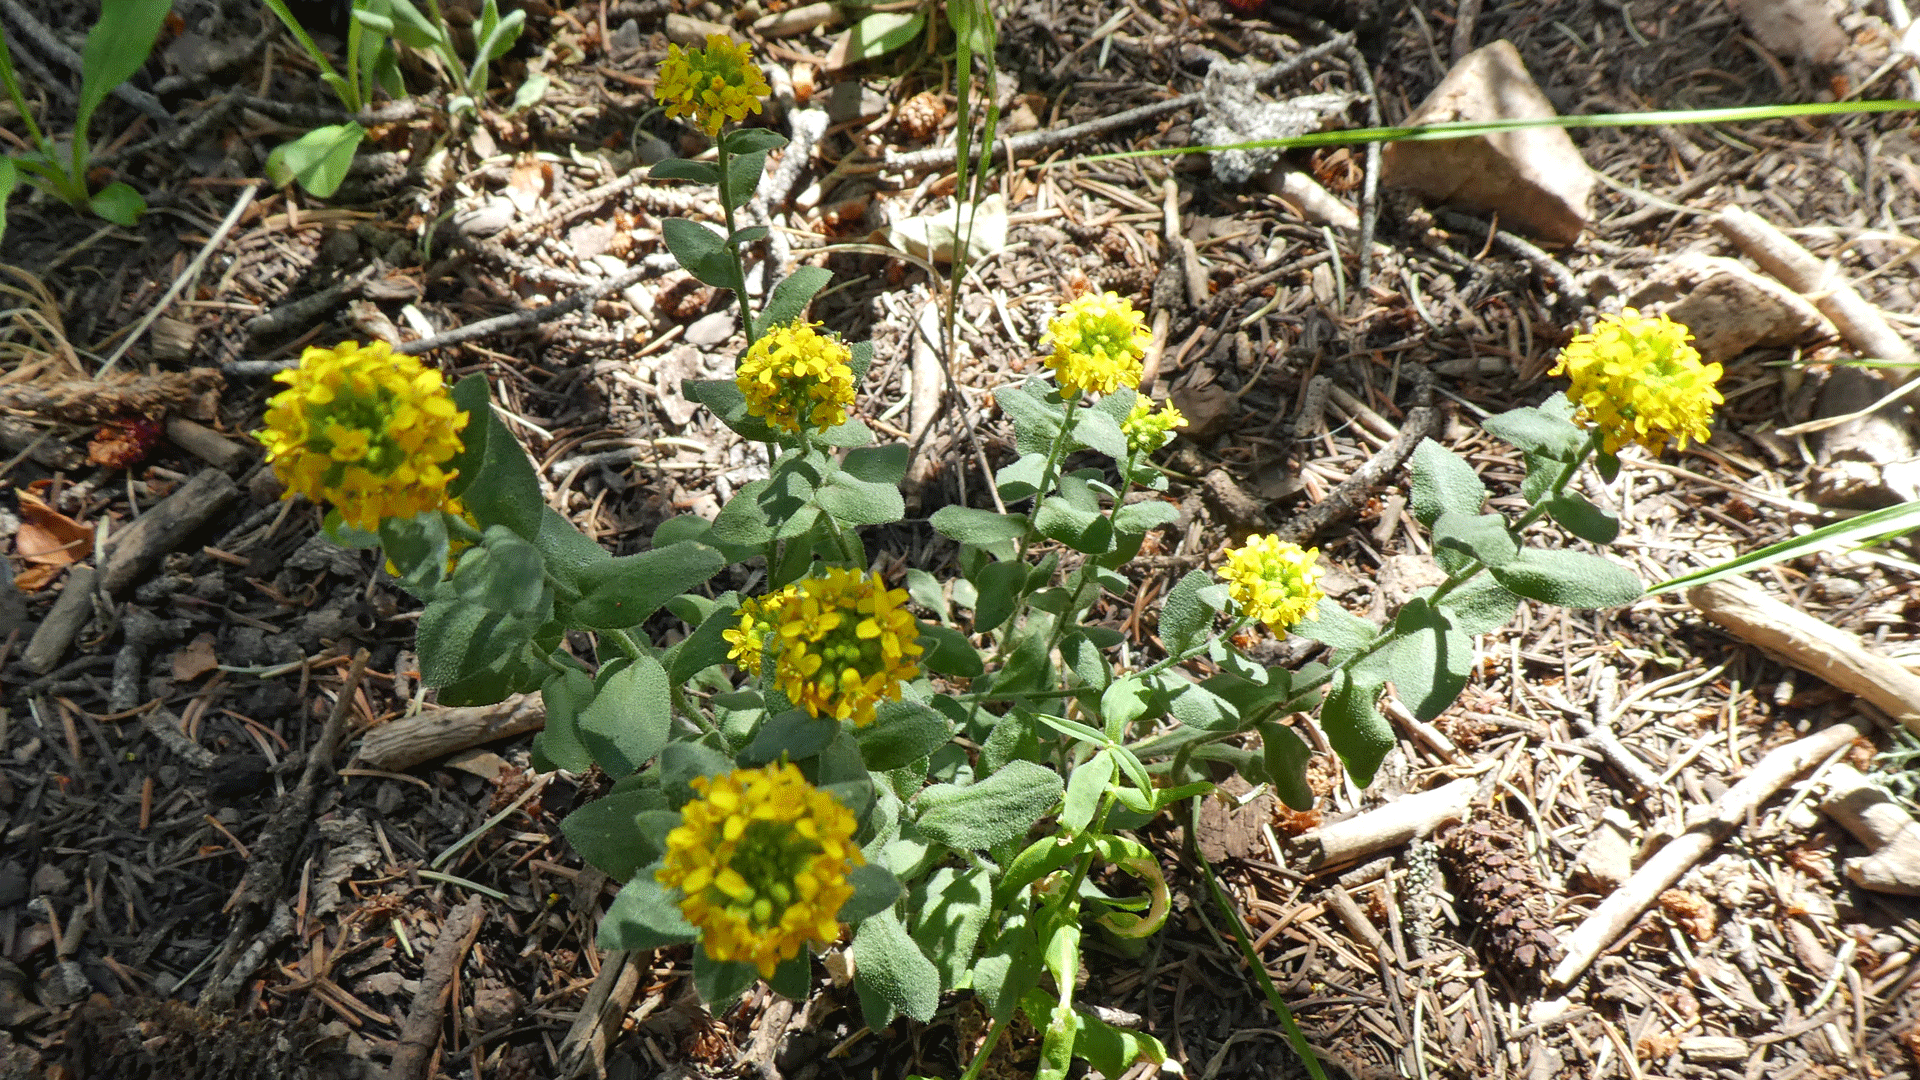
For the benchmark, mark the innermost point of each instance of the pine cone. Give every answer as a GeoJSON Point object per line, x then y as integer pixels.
{"type": "Point", "coordinates": [1499, 889]}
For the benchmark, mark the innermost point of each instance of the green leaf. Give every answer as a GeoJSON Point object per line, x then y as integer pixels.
{"type": "Point", "coordinates": [989, 812]}
{"type": "Point", "coordinates": [795, 291]}
{"type": "Point", "coordinates": [1036, 415]}
{"type": "Point", "coordinates": [1583, 519]}
{"type": "Point", "coordinates": [706, 646]}
{"type": "Point", "coordinates": [415, 31]}
{"type": "Point", "coordinates": [318, 160]}
{"type": "Point", "coordinates": [621, 831]}
{"type": "Point", "coordinates": [723, 396]}
{"type": "Point", "coordinates": [1000, 586]}
{"type": "Point", "coordinates": [622, 592]}
{"type": "Point", "coordinates": [1355, 728]}
{"type": "Point", "coordinates": [926, 590]}
{"type": "Point", "coordinates": [1021, 479]}
{"type": "Point", "coordinates": [1095, 430]}
{"type": "Point", "coordinates": [902, 732]}
{"type": "Point", "coordinates": [1186, 615]}
{"type": "Point", "coordinates": [118, 203]}
{"type": "Point", "coordinates": [627, 722]}
{"type": "Point", "coordinates": [719, 982]}
{"type": "Point", "coordinates": [1006, 971]}
{"type": "Point", "coordinates": [874, 890]}
{"type": "Point", "coordinates": [1537, 430]}
{"type": "Point", "coordinates": [700, 251]}
{"type": "Point", "coordinates": [1127, 701]}
{"type": "Point", "coordinates": [1085, 660]}
{"type": "Point", "coordinates": [1480, 536]}
{"type": "Point", "coordinates": [1085, 531]}
{"type": "Point", "coordinates": [1885, 523]}
{"type": "Point", "coordinates": [1140, 518]}
{"type": "Point", "coordinates": [853, 501]}
{"type": "Point", "coordinates": [470, 394]}
{"type": "Point", "coordinates": [1113, 1050]}
{"type": "Point", "coordinates": [496, 43]}
{"type": "Point", "coordinates": [1569, 579]}
{"type": "Point", "coordinates": [417, 547]}
{"type": "Point", "coordinates": [559, 741]}
{"type": "Point", "coordinates": [9, 177]}
{"type": "Point", "coordinates": [951, 652]}
{"type": "Point", "coordinates": [877, 464]}
{"type": "Point", "coordinates": [1286, 755]}
{"type": "Point", "coordinates": [981, 527]}
{"type": "Point", "coordinates": [1443, 481]}
{"type": "Point", "coordinates": [1198, 707]}
{"type": "Point", "coordinates": [504, 489]}
{"type": "Point", "coordinates": [743, 175]}
{"type": "Point", "coordinates": [889, 965]}
{"type": "Point", "coordinates": [683, 761]}
{"type": "Point", "coordinates": [793, 978]}
{"type": "Point", "coordinates": [459, 639]}
{"type": "Point", "coordinates": [506, 574]}
{"type": "Point", "coordinates": [700, 172]}
{"type": "Point", "coordinates": [1430, 663]}
{"type": "Point", "coordinates": [749, 140]}
{"type": "Point", "coordinates": [569, 554]}
{"type": "Point", "coordinates": [1335, 626]}
{"type": "Point", "coordinates": [644, 916]}
{"type": "Point", "coordinates": [950, 906]}
{"type": "Point", "coordinates": [1085, 785]}
{"type": "Point", "coordinates": [116, 47]}
{"type": "Point", "coordinates": [793, 735]}
{"type": "Point", "coordinates": [880, 33]}
{"type": "Point", "coordinates": [1480, 605]}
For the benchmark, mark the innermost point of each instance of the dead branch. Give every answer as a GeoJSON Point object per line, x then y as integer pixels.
{"type": "Point", "coordinates": [1354, 838]}
{"type": "Point", "coordinates": [422, 1030]}
{"type": "Point", "coordinates": [404, 743]}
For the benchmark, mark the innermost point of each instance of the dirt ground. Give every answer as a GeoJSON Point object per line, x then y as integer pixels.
{"type": "Point", "coordinates": [199, 877]}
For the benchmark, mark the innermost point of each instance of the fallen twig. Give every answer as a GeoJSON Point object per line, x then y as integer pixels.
{"type": "Point", "coordinates": [1813, 646]}
{"type": "Point", "coordinates": [1344, 501]}
{"type": "Point", "coordinates": [1388, 826]}
{"type": "Point", "coordinates": [406, 742]}
{"type": "Point", "coordinates": [1626, 904]}
{"type": "Point", "coordinates": [585, 1044]}
{"type": "Point", "coordinates": [1892, 862]}
{"type": "Point", "coordinates": [422, 1029]}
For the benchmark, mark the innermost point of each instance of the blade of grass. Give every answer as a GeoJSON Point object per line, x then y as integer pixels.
{"type": "Point", "coordinates": [1870, 527]}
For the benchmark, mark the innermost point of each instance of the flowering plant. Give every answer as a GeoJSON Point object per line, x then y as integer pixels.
{"type": "Point", "coordinates": [929, 768]}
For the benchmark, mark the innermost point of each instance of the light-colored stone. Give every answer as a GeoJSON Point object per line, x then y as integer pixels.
{"type": "Point", "coordinates": [1534, 178]}
{"type": "Point", "coordinates": [1729, 308]}
{"type": "Point", "coordinates": [1714, 1049]}
{"type": "Point", "coordinates": [1804, 29]}
{"type": "Point", "coordinates": [1606, 860]}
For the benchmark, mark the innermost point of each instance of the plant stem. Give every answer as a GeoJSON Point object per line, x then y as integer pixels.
{"type": "Point", "coordinates": [733, 250]}
{"type": "Point", "coordinates": [626, 643]}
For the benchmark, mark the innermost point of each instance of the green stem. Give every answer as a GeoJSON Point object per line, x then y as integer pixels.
{"type": "Point", "coordinates": [986, 1051]}
{"type": "Point", "coordinates": [627, 644]}
{"type": "Point", "coordinates": [678, 699]}
{"type": "Point", "coordinates": [733, 250]}
{"type": "Point", "coordinates": [1055, 452]}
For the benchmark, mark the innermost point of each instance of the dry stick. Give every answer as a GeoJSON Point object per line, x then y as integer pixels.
{"type": "Point", "coordinates": [1871, 814]}
{"type": "Point", "coordinates": [1626, 904]}
{"type": "Point", "coordinates": [1345, 500]}
{"type": "Point", "coordinates": [1813, 646]}
{"type": "Point", "coordinates": [524, 319]}
{"type": "Point", "coordinates": [191, 272]}
{"type": "Point", "coordinates": [266, 874]}
{"type": "Point", "coordinates": [404, 743]}
{"type": "Point", "coordinates": [585, 1044]}
{"type": "Point", "coordinates": [1355, 838]}
{"type": "Point", "coordinates": [422, 1030]}
{"type": "Point", "coordinates": [1820, 281]}
{"type": "Point", "coordinates": [1026, 143]}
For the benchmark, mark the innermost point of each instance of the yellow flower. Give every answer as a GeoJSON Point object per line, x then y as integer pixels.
{"type": "Point", "coordinates": [1098, 343]}
{"type": "Point", "coordinates": [761, 859]}
{"type": "Point", "coordinates": [711, 85]}
{"type": "Point", "coordinates": [365, 429]}
{"type": "Point", "coordinates": [1148, 430]}
{"type": "Point", "coordinates": [846, 641]}
{"type": "Point", "coordinates": [756, 619]}
{"type": "Point", "coordinates": [1274, 581]}
{"type": "Point", "coordinates": [1637, 380]}
{"type": "Point", "coordinates": [796, 378]}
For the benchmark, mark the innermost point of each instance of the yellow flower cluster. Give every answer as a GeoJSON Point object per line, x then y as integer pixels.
{"type": "Point", "coordinates": [1638, 381]}
{"type": "Point", "coordinates": [757, 617]}
{"type": "Point", "coordinates": [1148, 429]}
{"type": "Point", "coordinates": [712, 85]}
{"type": "Point", "coordinates": [1099, 341]}
{"type": "Point", "coordinates": [761, 858]}
{"type": "Point", "coordinates": [365, 429]}
{"type": "Point", "coordinates": [846, 641]}
{"type": "Point", "coordinates": [1274, 581]}
{"type": "Point", "coordinates": [796, 378]}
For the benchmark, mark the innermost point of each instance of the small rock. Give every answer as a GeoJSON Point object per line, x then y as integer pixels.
{"type": "Point", "coordinates": [624, 39]}
{"type": "Point", "coordinates": [1804, 29]}
{"type": "Point", "coordinates": [1606, 860]}
{"type": "Point", "coordinates": [50, 880]}
{"type": "Point", "coordinates": [1729, 308]}
{"type": "Point", "coordinates": [852, 101]}
{"type": "Point", "coordinates": [1713, 1049]}
{"type": "Point", "coordinates": [1534, 179]}
{"type": "Point", "coordinates": [590, 239]}
{"type": "Point", "coordinates": [13, 883]}
{"type": "Point", "coordinates": [710, 330]}
{"type": "Point", "coordinates": [1210, 410]}
{"type": "Point", "coordinates": [63, 984]}
{"type": "Point", "coordinates": [495, 1005]}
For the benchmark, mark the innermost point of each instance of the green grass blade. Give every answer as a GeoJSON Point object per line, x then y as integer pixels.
{"type": "Point", "coordinates": [1870, 528]}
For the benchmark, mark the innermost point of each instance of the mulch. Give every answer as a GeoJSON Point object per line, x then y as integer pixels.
{"type": "Point", "coordinates": [199, 879]}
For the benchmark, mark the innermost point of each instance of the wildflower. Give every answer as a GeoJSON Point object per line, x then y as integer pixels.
{"type": "Point", "coordinates": [1098, 343]}
{"type": "Point", "coordinates": [1274, 581]}
{"type": "Point", "coordinates": [712, 85]}
{"type": "Point", "coordinates": [1148, 429]}
{"type": "Point", "coordinates": [1637, 380]}
{"type": "Point", "coordinates": [756, 619]}
{"type": "Point", "coordinates": [761, 858]}
{"type": "Point", "coordinates": [365, 429]}
{"type": "Point", "coordinates": [796, 378]}
{"type": "Point", "coordinates": [846, 641]}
